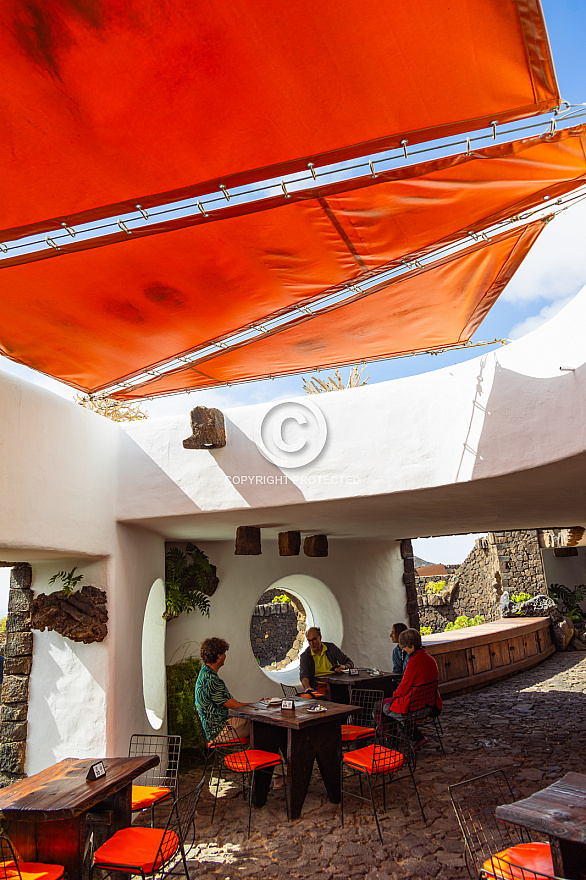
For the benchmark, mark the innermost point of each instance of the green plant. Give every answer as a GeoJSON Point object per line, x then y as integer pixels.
{"type": "Point", "coordinates": [517, 598]}
{"type": "Point", "coordinates": [568, 601]}
{"type": "Point", "coordinates": [282, 599]}
{"type": "Point", "coordinates": [463, 621]}
{"type": "Point", "coordinates": [425, 630]}
{"type": "Point", "coordinates": [186, 581]}
{"type": "Point", "coordinates": [435, 586]}
{"type": "Point", "coordinates": [181, 678]}
{"type": "Point", "coordinates": [70, 581]}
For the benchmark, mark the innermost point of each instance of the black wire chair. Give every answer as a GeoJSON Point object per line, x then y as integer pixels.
{"type": "Point", "coordinates": [155, 852]}
{"type": "Point", "coordinates": [500, 869]}
{"type": "Point", "coordinates": [362, 724]}
{"type": "Point", "coordinates": [289, 690]}
{"type": "Point", "coordinates": [485, 837]}
{"type": "Point", "coordinates": [12, 869]}
{"type": "Point", "coordinates": [423, 712]}
{"type": "Point", "coordinates": [158, 784]}
{"type": "Point", "coordinates": [389, 758]}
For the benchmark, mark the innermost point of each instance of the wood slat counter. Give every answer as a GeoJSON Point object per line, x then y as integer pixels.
{"type": "Point", "coordinates": [476, 656]}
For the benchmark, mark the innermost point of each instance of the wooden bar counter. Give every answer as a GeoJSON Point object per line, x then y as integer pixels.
{"type": "Point", "coordinates": [54, 815]}
{"type": "Point", "coordinates": [478, 655]}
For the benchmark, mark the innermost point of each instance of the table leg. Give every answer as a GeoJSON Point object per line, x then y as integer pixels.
{"type": "Point", "coordinates": [569, 858]}
{"type": "Point", "coordinates": [329, 757]}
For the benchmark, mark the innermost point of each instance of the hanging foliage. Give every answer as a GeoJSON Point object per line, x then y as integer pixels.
{"type": "Point", "coordinates": [187, 577]}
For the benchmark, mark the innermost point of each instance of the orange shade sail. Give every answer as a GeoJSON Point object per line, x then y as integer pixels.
{"type": "Point", "coordinates": [111, 102]}
{"type": "Point", "coordinates": [93, 317]}
{"type": "Point", "coordinates": [437, 307]}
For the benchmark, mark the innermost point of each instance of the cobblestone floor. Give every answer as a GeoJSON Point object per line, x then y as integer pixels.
{"type": "Point", "coordinates": [531, 725]}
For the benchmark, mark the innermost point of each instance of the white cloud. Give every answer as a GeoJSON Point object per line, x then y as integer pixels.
{"type": "Point", "coordinates": [555, 267]}
{"type": "Point", "coordinates": [534, 321]}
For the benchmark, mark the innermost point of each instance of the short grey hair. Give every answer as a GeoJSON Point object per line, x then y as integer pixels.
{"type": "Point", "coordinates": [410, 638]}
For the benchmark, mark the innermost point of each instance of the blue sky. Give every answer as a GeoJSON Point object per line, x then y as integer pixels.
{"type": "Point", "coordinates": [553, 272]}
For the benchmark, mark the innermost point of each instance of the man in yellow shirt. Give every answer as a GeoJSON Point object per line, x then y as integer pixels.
{"type": "Point", "coordinates": [320, 659]}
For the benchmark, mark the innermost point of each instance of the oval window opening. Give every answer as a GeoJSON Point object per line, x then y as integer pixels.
{"type": "Point", "coordinates": [154, 685]}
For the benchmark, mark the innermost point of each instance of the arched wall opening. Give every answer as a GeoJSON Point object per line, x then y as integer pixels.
{"type": "Point", "coordinates": [322, 609]}
{"type": "Point", "coordinates": [154, 682]}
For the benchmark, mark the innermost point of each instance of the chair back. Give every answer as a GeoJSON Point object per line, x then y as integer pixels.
{"type": "Point", "coordinates": [176, 835]}
{"type": "Point", "coordinates": [395, 736]}
{"type": "Point", "coordinates": [422, 700]}
{"type": "Point", "coordinates": [9, 869]}
{"type": "Point", "coordinates": [227, 742]}
{"type": "Point", "coordinates": [289, 690]}
{"type": "Point", "coordinates": [368, 705]}
{"type": "Point", "coordinates": [167, 748]}
{"type": "Point", "coordinates": [474, 802]}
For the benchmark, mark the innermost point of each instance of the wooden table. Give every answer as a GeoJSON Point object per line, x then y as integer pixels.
{"type": "Point", "coordinates": [302, 737]}
{"type": "Point", "coordinates": [52, 816]}
{"type": "Point", "coordinates": [341, 684]}
{"type": "Point", "coordinates": [560, 812]}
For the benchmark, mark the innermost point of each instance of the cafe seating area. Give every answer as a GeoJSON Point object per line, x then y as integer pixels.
{"type": "Point", "coordinates": [522, 725]}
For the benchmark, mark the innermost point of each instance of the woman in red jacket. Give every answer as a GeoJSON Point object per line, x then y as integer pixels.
{"type": "Point", "coordinates": [421, 669]}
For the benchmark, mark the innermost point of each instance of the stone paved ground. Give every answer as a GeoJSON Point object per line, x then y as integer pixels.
{"type": "Point", "coordinates": [532, 725]}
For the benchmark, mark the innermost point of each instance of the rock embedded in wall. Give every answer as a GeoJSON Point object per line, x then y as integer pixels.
{"type": "Point", "coordinates": [82, 616]}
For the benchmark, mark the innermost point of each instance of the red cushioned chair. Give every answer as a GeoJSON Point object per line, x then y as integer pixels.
{"type": "Point", "coordinates": [422, 709]}
{"type": "Point", "coordinates": [486, 838]}
{"type": "Point", "coordinates": [362, 725]}
{"type": "Point", "coordinates": [507, 870]}
{"type": "Point", "coordinates": [151, 851]}
{"type": "Point", "coordinates": [211, 748]}
{"type": "Point", "coordinates": [390, 757]}
{"type": "Point", "coordinates": [159, 783]}
{"type": "Point", "coordinates": [11, 869]}
{"type": "Point", "coordinates": [245, 762]}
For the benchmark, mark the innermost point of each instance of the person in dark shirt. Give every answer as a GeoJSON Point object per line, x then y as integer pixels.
{"type": "Point", "coordinates": [320, 659]}
{"type": "Point", "coordinates": [400, 657]}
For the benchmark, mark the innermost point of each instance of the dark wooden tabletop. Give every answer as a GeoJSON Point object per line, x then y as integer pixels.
{"type": "Point", "coordinates": [558, 810]}
{"type": "Point", "coordinates": [346, 678]}
{"type": "Point", "coordinates": [62, 792]}
{"type": "Point", "coordinates": [296, 719]}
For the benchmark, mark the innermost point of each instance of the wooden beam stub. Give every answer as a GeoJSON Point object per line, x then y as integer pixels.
{"type": "Point", "coordinates": [208, 429]}
{"type": "Point", "coordinates": [289, 543]}
{"type": "Point", "coordinates": [247, 541]}
{"type": "Point", "coordinates": [316, 545]}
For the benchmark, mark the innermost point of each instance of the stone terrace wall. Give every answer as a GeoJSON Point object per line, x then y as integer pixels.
{"type": "Point", "coordinates": [502, 561]}
{"type": "Point", "coordinates": [277, 631]}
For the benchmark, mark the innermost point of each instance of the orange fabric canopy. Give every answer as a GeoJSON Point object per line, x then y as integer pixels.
{"type": "Point", "coordinates": [113, 102]}
{"type": "Point", "coordinates": [93, 317]}
{"type": "Point", "coordinates": [437, 307]}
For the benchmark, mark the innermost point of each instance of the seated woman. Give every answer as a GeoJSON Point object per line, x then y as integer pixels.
{"type": "Point", "coordinates": [421, 669]}
{"type": "Point", "coordinates": [400, 657]}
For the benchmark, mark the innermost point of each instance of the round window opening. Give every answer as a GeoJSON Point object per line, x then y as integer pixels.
{"type": "Point", "coordinates": [282, 616]}
{"type": "Point", "coordinates": [277, 630]}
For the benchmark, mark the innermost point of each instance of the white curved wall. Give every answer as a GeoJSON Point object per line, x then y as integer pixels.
{"type": "Point", "coordinates": [154, 673]}
{"type": "Point", "coordinates": [383, 437]}
{"type": "Point", "coordinates": [365, 578]}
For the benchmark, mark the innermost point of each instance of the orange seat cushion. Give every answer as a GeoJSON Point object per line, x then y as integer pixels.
{"type": "Point", "coordinates": [374, 759]}
{"type": "Point", "coordinates": [252, 759]}
{"type": "Point", "coordinates": [31, 871]}
{"type": "Point", "coordinates": [350, 732]}
{"type": "Point", "coordinates": [137, 848]}
{"type": "Point", "coordinates": [144, 796]}
{"type": "Point", "coordinates": [531, 856]}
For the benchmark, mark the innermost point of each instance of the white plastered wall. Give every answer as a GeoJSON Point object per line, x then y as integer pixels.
{"type": "Point", "coordinates": [365, 577]}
